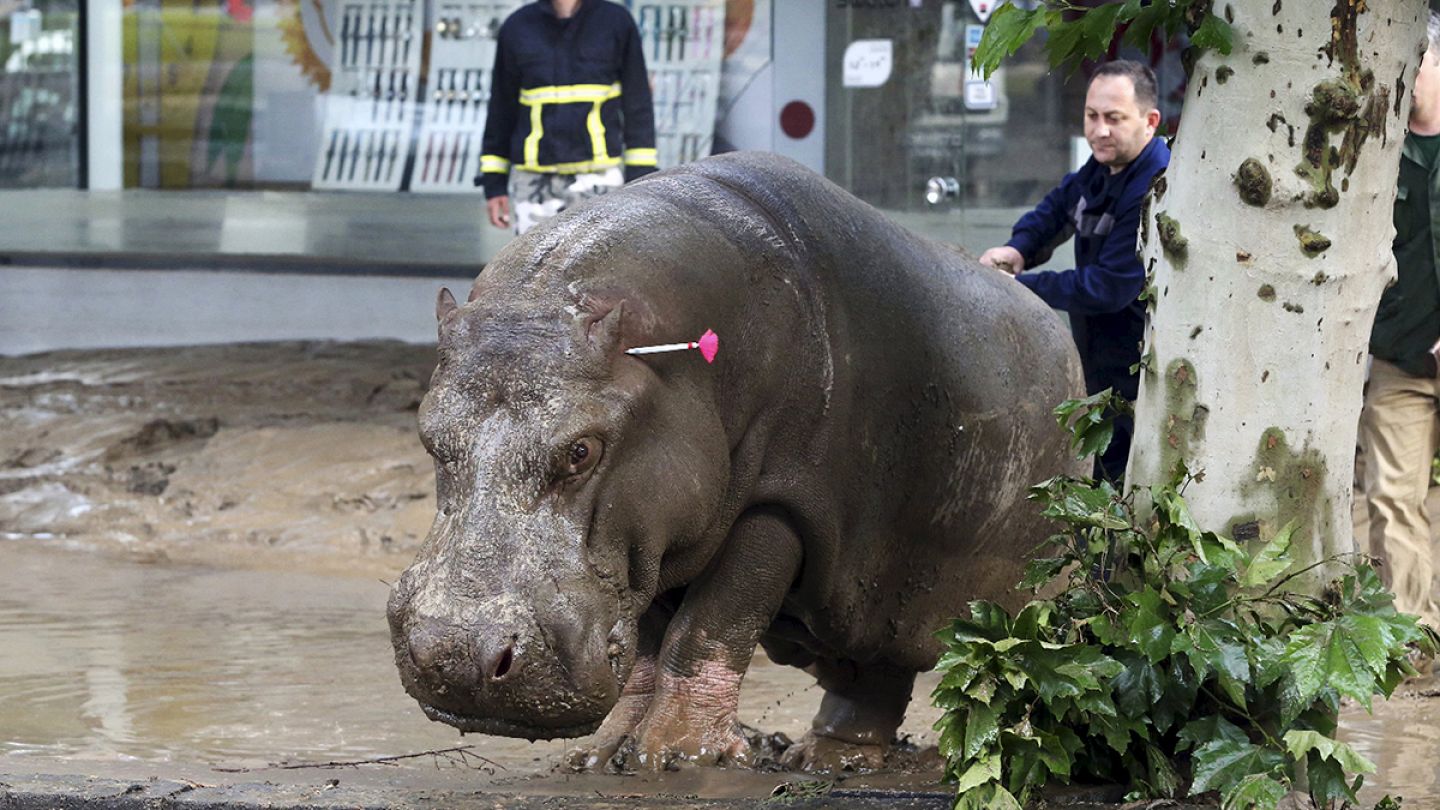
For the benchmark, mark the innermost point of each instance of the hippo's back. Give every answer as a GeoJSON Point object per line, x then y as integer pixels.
{"type": "Point", "coordinates": [943, 378]}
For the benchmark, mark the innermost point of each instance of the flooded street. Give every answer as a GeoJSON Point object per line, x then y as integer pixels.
{"type": "Point", "coordinates": [1402, 738]}
{"type": "Point", "coordinates": [192, 549]}
{"type": "Point", "coordinates": [107, 660]}
{"type": "Point", "coordinates": [104, 660]}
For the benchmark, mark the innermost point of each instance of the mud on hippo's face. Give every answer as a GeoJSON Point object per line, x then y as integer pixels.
{"type": "Point", "coordinates": [564, 471]}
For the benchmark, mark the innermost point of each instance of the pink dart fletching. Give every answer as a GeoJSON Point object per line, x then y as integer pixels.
{"type": "Point", "coordinates": [709, 345]}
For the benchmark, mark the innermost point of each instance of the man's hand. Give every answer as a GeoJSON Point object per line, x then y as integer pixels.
{"type": "Point", "coordinates": [1006, 259]}
{"type": "Point", "coordinates": [499, 208]}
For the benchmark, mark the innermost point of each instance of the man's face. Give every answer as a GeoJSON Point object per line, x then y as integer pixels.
{"type": "Point", "coordinates": [1115, 126]}
{"type": "Point", "coordinates": [1426, 93]}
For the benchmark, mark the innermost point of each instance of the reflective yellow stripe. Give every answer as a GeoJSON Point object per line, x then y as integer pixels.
{"type": "Point", "coordinates": [494, 163]}
{"type": "Point", "coordinates": [594, 94]}
{"type": "Point", "coordinates": [532, 141]}
{"type": "Point", "coordinates": [641, 157]}
{"type": "Point", "coordinates": [597, 132]}
{"type": "Point", "coordinates": [568, 93]}
{"type": "Point", "coordinates": [571, 168]}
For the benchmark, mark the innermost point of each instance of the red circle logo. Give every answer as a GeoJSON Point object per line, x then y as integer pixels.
{"type": "Point", "coordinates": [797, 119]}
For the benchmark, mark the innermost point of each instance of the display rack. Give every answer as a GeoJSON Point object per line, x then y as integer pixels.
{"type": "Point", "coordinates": [369, 111]}
{"type": "Point", "coordinates": [683, 42]}
{"type": "Point", "coordinates": [462, 57]}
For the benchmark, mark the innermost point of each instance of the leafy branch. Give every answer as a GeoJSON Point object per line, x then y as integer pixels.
{"type": "Point", "coordinates": [1080, 32]}
{"type": "Point", "coordinates": [1169, 659]}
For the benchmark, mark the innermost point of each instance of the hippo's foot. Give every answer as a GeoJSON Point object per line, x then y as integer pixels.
{"type": "Point", "coordinates": [668, 744]}
{"type": "Point", "coordinates": [611, 736]}
{"type": "Point", "coordinates": [858, 716]}
{"type": "Point", "coordinates": [620, 724]}
{"type": "Point", "coordinates": [816, 752]}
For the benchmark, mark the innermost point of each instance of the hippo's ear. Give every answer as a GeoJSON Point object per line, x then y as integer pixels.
{"type": "Point", "coordinates": [605, 333]}
{"type": "Point", "coordinates": [444, 304]}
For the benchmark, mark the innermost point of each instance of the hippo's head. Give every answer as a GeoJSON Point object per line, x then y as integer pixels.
{"type": "Point", "coordinates": [565, 471]}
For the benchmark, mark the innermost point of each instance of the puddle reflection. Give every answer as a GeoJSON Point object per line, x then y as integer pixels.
{"type": "Point", "coordinates": [1402, 738]}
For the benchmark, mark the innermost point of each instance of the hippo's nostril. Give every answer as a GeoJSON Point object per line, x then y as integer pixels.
{"type": "Point", "coordinates": [507, 658]}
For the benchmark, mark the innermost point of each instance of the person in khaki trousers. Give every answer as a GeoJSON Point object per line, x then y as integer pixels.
{"type": "Point", "coordinates": [1400, 424]}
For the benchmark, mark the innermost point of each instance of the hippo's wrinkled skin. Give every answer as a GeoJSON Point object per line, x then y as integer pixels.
{"type": "Point", "coordinates": [616, 533]}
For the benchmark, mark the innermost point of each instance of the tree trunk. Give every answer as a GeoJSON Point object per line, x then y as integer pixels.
{"type": "Point", "coordinates": [1268, 245]}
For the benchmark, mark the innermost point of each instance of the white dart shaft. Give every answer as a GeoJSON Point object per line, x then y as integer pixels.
{"type": "Point", "coordinates": [663, 347]}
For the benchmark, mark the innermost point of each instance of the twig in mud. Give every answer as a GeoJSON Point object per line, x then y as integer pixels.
{"type": "Point", "coordinates": [462, 755]}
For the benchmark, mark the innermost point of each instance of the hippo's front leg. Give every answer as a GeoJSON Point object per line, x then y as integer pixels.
{"type": "Point", "coordinates": [634, 699]}
{"type": "Point", "coordinates": [709, 644]}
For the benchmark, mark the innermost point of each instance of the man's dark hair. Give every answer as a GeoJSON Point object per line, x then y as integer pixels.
{"type": "Point", "coordinates": [1147, 95]}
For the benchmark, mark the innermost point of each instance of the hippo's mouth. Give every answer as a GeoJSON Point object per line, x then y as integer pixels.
{"type": "Point", "coordinates": [506, 728]}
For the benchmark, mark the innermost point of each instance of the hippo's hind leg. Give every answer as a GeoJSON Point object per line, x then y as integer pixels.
{"type": "Point", "coordinates": [861, 709]}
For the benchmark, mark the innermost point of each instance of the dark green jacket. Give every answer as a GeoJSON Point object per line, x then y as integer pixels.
{"type": "Point", "coordinates": [1408, 321]}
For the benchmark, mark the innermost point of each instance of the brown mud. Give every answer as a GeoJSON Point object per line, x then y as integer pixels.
{"type": "Point", "coordinates": [303, 451]}
{"type": "Point", "coordinates": [194, 544]}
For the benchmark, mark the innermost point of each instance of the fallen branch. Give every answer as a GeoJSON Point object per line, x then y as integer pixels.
{"type": "Point", "coordinates": [460, 755]}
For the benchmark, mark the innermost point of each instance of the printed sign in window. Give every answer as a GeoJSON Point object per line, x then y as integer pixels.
{"type": "Point", "coordinates": [868, 62]}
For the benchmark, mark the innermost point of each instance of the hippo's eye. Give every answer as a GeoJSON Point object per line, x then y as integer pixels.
{"type": "Point", "coordinates": [582, 455]}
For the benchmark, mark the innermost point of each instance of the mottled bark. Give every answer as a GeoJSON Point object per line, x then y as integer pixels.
{"type": "Point", "coordinates": [1268, 245]}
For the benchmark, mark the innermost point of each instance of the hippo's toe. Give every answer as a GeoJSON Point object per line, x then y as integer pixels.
{"type": "Point", "coordinates": [663, 747]}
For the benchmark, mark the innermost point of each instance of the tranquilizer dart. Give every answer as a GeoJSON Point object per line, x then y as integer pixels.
{"type": "Point", "coordinates": [708, 344]}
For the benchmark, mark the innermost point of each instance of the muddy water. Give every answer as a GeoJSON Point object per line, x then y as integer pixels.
{"type": "Point", "coordinates": [1402, 738]}
{"type": "Point", "coordinates": [105, 660]}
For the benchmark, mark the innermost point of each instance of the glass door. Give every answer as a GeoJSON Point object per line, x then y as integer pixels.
{"type": "Point", "coordinates": [993, 148]}
{"type": "Point", "coordinates": [39, 94]}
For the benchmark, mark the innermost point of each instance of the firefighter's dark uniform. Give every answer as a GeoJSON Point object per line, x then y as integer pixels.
{"type": "Point", "coordinates": [568, 96]}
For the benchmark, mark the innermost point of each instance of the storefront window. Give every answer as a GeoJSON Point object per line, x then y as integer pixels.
{"type": "Point", "coordinates": [39, 80]}
{"type": "Point", "coordinates": [220, 94]}
{"type": "Point", "coordinates": [929, 118]}
{"type": "Point", "coordinates": [361, 95]}
{"type": "Point", "coordinates": [1004, 143]}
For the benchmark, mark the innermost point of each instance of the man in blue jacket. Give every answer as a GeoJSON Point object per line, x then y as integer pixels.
{"type": "Point", "coordinates": [1099, 205]}
{"type": "Point", "coordinates": [570, 113]}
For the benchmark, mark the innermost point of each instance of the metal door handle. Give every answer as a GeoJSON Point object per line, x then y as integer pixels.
{"type": "Point", "coordinates": [940, 190]}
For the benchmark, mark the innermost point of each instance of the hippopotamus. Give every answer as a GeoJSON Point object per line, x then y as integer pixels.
{"type": "Point", "coordinates": [616, 532]}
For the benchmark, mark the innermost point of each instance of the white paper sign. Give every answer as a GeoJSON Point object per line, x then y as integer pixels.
{"type": "Point", "coordinates": [979, 94]}
{"type": "Point", "coordinates": [984, 8]}
{"type": "Point", "coordinates": [25, 26]}
{"type": "Point", "coordinates": [973, 35]}
{"type": "Point", "coordinates": [867, 62]}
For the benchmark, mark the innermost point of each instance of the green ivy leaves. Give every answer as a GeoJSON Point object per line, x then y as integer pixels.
{"type": "Point", "coordinates": [1091, 421]}
{"type": "Point", "coordinates": [1079, 32]}
{"type": "Point", "coordinates": [997, 753]}
{"type": "Point", "coordinates": [1171, 660]}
